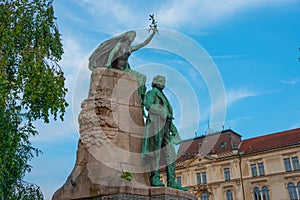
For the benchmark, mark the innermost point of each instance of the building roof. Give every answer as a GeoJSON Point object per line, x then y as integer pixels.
{"type": "Point", "coordinates": [228, 140]}
{"type": "Point", "coordinates": [271, 141]}
{"type": "Point", "coordinates": [215, 143]}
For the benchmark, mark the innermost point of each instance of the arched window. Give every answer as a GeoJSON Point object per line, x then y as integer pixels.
{"type": "Point", "coordinates": [265, 193]}
{"type": "Point", "coordinates": [229, 195]}
{"type": "Point", "coordinates": [292, 191]}
{"type": "Point", "coordinates": [256, 193]}
{"type": "Point", "coordinates": [204, 196]}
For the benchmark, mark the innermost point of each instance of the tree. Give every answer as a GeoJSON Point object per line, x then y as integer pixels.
{"type": "Point", "coordinates": [31, 87]}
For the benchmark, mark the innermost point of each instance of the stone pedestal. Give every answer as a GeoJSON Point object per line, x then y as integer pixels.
{"type": "Point", "coordinates": [111, 129]}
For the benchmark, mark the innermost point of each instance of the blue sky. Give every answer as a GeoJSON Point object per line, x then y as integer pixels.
{"type": "Point", "coordinates": [250, 80]}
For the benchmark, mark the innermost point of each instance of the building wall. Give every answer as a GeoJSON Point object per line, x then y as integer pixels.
{"type": "Point", "coordinates": [242, 182]}
{"type": "Point", "coordinates": [276, 178]}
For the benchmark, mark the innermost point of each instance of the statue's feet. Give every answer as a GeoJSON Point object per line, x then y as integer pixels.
{"type": "Point", "coordinates": [176, 186]}
{"type": "Point", "coordinates": [157, 183]}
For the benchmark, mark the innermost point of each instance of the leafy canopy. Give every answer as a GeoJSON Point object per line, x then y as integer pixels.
{"type": "Point", "coordinates": [31, 85]}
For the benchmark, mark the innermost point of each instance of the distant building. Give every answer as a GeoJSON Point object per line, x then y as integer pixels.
{"type": "Point", "coordinates": [222, 166]}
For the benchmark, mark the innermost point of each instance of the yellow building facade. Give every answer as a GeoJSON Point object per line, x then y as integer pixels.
{"type": "Point", "coordinates": [222, 166]}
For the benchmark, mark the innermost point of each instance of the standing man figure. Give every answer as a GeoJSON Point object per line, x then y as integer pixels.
{"type": "Point", "coordinates": [160, 135]}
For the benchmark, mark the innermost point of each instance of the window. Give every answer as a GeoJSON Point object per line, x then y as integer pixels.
{"type": "Point", "coordinates": [229, 195]}
{"type": "Point", "coordinates": [298, 186]}
{"type": "Point", "coordinates": [254, 170]}
{"type": "Point", "coordinates": [179, 180]}
{"type": "Point", "coordinates": [292, 191]}
{"type": "Point", "coordinates": [198, 178]}
{"type": "Point", "coordinates": [265, 193]}
{"type": "Point", "coordinates": [204, 196]}
{"type": "Point", "coordinates": [261, 169]}
{"type": "Point", "coordinates": [204, 181]}
{"type": "Point", "coordinates": [227, 174]}
{"type": "Point", "coordinates": [295, 162]}
{"type": "Point", "coordinates": [261, 195]}
{"type": "Point", "coordinates": [287, 164]}
{"type": "Point", "coordinates": [256, 193]}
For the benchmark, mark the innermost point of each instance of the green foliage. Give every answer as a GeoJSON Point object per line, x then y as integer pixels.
{"type": "Point", "coordinates": [26, 191]}
{"type": "Point", "coordinates": [127, 176]}
{"type": "Point", "coordinates": [31, 86]}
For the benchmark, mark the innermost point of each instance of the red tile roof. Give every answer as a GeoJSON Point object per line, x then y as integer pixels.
{"type": "Point", "coordinates": [271, 141]}
{"type": "Point", "coordinates": [188, 149]}
{"type": "Point", "coordinates": [208, 144]}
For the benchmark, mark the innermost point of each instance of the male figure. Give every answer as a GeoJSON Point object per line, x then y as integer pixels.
{"type": "Point", "coordinates": [160, 134]}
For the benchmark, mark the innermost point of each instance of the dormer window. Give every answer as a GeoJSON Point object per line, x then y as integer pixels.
{"type": "Point", "coordinates": [223, 145]}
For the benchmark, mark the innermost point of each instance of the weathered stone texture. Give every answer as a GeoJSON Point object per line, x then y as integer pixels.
{"type": "Point", "coordinates": [111, 126]}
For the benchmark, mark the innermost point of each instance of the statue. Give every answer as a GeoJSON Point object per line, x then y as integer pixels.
{"type": "Point", "coordinates": [114, 53]}
{"type": "Point", "coordinates": [160, 135]}
{"type": "Point", "coordinates": [111, 126]}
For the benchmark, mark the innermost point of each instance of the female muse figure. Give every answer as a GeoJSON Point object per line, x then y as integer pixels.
{"type": "Point", "coordinates": [114, 52]}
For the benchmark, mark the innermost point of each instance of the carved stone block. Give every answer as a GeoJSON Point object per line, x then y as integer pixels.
{"type": "Point", "coordinates": [111, 127]}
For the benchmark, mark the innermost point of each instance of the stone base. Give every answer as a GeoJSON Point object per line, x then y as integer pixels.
{"type": "Point", "coordinates": [151, 193]}
{"type": "Point", "coordinates": [111, 131]}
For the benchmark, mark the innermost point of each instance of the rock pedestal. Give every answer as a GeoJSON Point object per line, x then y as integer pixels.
{"type": "Point", "coordinates": [111, 129]}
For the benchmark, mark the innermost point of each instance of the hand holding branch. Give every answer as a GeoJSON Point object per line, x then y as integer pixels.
{"type": "Point", "coordinates": [153, 25]}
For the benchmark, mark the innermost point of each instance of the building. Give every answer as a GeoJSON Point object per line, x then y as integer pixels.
{"type": "Point", "coordinates": [223, 166]}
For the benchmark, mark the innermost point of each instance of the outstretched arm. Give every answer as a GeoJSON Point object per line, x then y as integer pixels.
{"type": "Point", "coordinates": [134, 48]}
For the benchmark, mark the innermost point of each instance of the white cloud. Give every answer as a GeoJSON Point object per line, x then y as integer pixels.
{"type": "Point", "coordinates": [56, 131]}
{"type": "Point", "coordinates": [238, 94]}
{"type": "Point", "coordinates": [235, 122]}
{"type": "Point", "coordinates": [291, 81]}
{"type": "Point", "coordinates": [232, 96]}
{"type": "Point", "coordinates": [122, 14]}
{"type": "Point", "coordinates": [67, 12]}
{"type": "Point", "coordinates": [72, 59]}
{"type": "Point", "coordinates": [172, 14]}
{"type": "Point", "coordinates": [206, 12]}
{"type": "Point", "coordinates": [77, 74]}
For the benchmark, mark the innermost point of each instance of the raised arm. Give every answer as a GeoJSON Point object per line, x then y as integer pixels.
{"type": "Point", "coordinates": [134, 48]}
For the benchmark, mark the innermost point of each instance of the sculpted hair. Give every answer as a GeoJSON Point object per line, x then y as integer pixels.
{"type": "Point", "coordinates": [155, 80]}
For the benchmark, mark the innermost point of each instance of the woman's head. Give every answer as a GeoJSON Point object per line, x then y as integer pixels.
{"type": "Point", "coordinates": [128, 36]}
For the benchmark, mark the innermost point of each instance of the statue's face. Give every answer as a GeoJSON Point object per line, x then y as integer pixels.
{"type": "Point", "coordinates": [130, 36]}
{"type": "Point", "coordinates": [161, 82]}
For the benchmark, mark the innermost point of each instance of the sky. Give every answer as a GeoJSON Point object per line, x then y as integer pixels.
{"type": "Point", "coordinates": [229, 64]}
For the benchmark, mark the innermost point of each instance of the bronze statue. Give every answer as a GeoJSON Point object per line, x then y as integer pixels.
{"type": "Point", "coordinates": [160, 134]}
{"type": "Point", "coordinates": [114, 53]}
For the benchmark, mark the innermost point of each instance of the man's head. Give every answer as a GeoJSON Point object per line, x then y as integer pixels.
{"type": "Point", "coordinates": [159, 82]}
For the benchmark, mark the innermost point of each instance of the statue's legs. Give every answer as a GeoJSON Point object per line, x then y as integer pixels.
{"type": "Point", "coordinates": [154, 173]}
{"type": "Point", "coordinates": [170, 157]}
